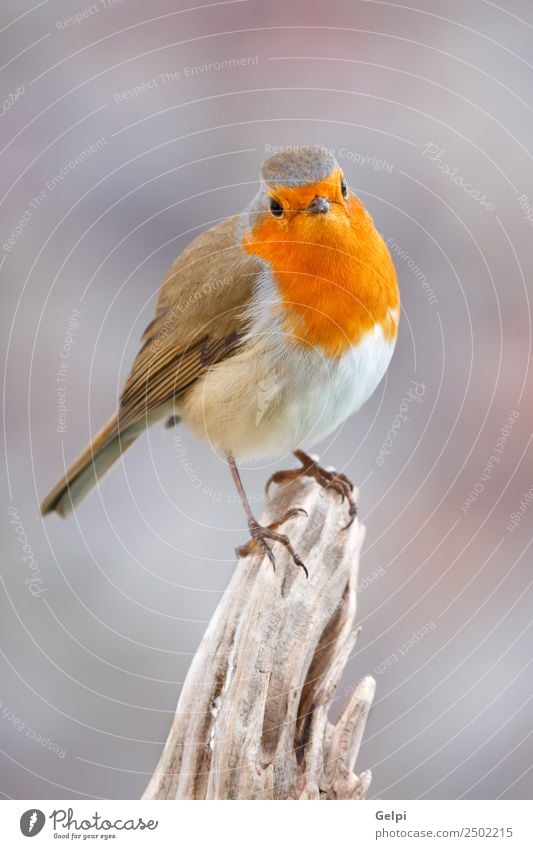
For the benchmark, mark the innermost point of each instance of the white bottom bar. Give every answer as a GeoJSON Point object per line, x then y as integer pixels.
{"type": "Point", "coordinates": [251, 825]}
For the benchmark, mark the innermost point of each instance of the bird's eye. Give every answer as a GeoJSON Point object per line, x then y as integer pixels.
{"type": "Point", "coordinates": [276, 208]}
{"type": "Point", "coordinates": [344, 188]}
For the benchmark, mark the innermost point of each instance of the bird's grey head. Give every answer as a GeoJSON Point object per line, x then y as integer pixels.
{"type": "Point", "coordinates": [296, 166]}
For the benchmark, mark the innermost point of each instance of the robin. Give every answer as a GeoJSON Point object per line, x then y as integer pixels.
{"type": "Point", "coordinates": [271, 328]}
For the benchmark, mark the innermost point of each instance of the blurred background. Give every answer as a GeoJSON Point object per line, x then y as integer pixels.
{"type": "Point", "coordinates": [126, 129]}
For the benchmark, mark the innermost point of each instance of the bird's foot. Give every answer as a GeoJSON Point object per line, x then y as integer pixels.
{"type": "Point", "coordinates": [327, 478]}
{"type": "Point", "coordinates": [261, 533]}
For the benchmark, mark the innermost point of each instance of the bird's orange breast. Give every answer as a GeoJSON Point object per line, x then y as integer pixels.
{"type": "Point", "coordinates": [334, 271]}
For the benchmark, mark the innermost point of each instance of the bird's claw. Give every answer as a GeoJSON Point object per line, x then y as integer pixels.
{"type": "Point", "coordinates": [327, 478]}
{"type": "Point", "coordinates": [260, 533]}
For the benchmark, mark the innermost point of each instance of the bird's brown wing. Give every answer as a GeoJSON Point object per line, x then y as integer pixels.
{"type": "Point", "coordinates": [201, 318]}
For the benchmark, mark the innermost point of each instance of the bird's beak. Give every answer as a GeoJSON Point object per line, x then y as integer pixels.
{"type": "Point", "coordinates": [318, 205]}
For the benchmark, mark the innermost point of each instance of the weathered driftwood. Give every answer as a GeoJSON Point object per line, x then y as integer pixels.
{"type": "Point", "coordinates": [252, 720]}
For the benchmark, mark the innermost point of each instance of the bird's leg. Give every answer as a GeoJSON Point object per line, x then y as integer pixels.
{"type": "Point", "coordinates": [261, 533]}
{"type": "Point", "coordinates": [336, 481]}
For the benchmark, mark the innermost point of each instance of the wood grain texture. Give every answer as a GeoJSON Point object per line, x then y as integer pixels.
{"type": "Point", "coordinates": [252, 720]}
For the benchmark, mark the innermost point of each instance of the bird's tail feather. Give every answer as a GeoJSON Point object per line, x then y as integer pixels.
{"type": "Point", "coordinates": [88, 468]}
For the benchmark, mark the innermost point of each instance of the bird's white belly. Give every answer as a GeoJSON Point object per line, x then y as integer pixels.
{"type": "Point", "coordinates": [273, 397]}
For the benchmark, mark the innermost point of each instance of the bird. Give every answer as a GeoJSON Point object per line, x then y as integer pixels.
{"type": "Point", "coordinates": [271, 328]}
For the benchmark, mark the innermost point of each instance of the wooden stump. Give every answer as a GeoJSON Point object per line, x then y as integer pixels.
{"type": "Point", "coordinates": [252, 718]}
